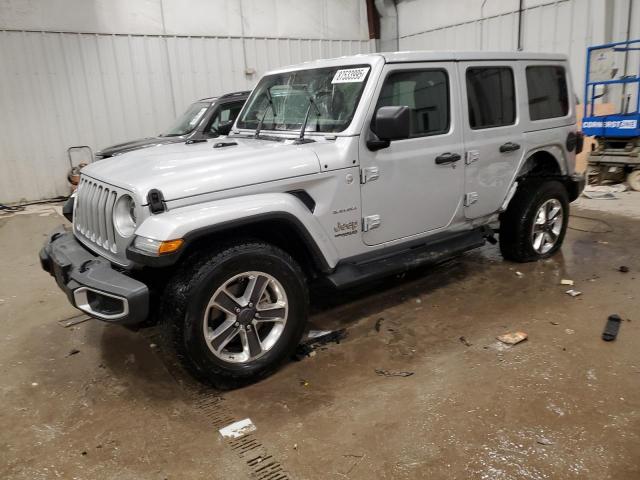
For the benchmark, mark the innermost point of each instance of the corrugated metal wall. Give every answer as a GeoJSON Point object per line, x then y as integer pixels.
{"type": "Point", "coordinates": [561, 26]}
{"type": "Point", "coordinates": [63, 89]}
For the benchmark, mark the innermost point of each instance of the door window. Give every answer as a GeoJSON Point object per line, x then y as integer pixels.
{"type": "Point", "coordinates": [547, 89]}
{"type": "Point", "coordinates": [226, 113]}
{"type": "Point", "coordinates": [491, 97]}
{"type": "Point", "coordinates": [426, 93]}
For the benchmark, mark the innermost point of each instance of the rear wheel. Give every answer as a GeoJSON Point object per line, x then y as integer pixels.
{"type": "Point", "coordinates": [535, 223]}
{"type": "Point", "coordinates": [236, 315]}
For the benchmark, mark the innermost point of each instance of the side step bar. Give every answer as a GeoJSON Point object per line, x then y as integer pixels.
{"type": "Point", "coordinates": [349, 274]}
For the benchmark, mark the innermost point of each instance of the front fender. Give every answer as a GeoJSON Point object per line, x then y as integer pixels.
{"type": "Point", "coordinates": [194, 221]}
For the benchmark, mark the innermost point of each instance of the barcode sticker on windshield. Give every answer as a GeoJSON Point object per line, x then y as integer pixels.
{"type": "Point", "coordinates": [350, 75]}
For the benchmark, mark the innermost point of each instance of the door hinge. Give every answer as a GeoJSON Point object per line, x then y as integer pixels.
{"type": "Point", "coordinates": [369, 174]}
{"type": "Point", "coordinates": [470, 198]}
{"type": "Point", "coordinates": [370, 222]}
{"type": "Point", "coordinates": [472, 156]}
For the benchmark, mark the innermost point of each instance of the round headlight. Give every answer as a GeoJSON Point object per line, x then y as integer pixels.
{"type": "Point", "coordinates": [124, 216]}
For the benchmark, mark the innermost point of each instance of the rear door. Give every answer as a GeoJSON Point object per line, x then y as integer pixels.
{"type": "Point", "coordinates": [493, 132]}
{"type": "Point", "coordinates": [406, 191]}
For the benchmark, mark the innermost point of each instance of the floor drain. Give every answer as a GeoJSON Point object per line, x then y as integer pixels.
{"type": "Point", "coordinates": [211, 405]}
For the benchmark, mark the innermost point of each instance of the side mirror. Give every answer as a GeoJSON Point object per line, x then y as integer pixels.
{"type": "Point", "coordinates": [390, 123]}
{"type": "Point", "coordinates": [225, 128]}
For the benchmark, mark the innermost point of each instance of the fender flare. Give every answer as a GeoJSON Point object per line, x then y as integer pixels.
{"type": "Point", "coordinates": [554, 151]}
{"type": "Point", "coordinates": [194, 222]}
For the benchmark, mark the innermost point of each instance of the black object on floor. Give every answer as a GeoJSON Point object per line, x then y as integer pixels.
{"type": "Point", "coordinates": [611, 328]}
{"type": "Point", "coordinates": [311, 344]}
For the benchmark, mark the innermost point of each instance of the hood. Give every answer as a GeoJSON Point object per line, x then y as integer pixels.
{"type": "Point", "coordinates": [181, 170]}
{"type": "Point", "coordinates": [137, 144]}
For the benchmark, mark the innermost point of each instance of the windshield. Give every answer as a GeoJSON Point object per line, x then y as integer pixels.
{"type": "Point", "coordinates": [188, 121]}
{"type": "Point", "coordinates": [335, 91]}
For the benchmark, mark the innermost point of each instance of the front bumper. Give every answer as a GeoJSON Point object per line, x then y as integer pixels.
{"type": "Point", "coordinates": [91, 283]}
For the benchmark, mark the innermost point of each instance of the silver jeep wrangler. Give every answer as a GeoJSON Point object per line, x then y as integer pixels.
{"type": "Point", "coordinates": [337, 172]}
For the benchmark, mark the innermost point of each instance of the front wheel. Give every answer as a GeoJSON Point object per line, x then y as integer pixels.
{"type": "Point", "coordinates": [535, 223]}
{"type": "Point", "coordinates": [235, 315]}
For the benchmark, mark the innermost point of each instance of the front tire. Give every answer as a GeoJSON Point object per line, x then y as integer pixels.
{"type": "Point", "coordinates": [535, 223]}
{"type": "Point", "coordinates": [235, 315]}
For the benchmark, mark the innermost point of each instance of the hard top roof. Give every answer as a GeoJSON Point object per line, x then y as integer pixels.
{"type": "Point", "coordinates": [423, 56]}
{"type": "Point", "coordinates": [226, 96]}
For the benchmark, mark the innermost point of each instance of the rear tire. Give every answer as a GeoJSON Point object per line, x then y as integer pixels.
{"type": "Point", "coordinates": [236, 314]}
{"type": "Point", "coordinates": [535, 223]}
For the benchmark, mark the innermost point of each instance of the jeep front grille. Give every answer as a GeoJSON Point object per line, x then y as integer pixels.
{"type": "Point", "coordinates": [93, 214]}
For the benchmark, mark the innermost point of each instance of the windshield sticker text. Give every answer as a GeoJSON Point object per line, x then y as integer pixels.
{"type": "Point", "coordinates": [350, 75]}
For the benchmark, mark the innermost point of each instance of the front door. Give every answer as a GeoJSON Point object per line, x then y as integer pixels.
{"type": "Point", "coordinates": [493, 134]}
{"type": "Point", "coordinates": [415, 185]}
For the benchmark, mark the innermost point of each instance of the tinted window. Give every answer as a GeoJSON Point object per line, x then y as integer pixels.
{"type": "Point", "coordinates": [491, 96]}
{"type": "Point", "coordinates": [226, 113]}
{"type": "Point", "coordinates": [548, 97]}
{"type": "Point", "coordinates": [426, 93]}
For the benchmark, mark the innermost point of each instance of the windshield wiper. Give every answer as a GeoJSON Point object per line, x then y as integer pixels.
{"type": "Point", "coordinates": [264, 114]}
{"type": "Point", "coordinates": [312, 102]}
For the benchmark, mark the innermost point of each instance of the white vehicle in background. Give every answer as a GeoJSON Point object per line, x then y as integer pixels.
{"type": "Point", "coordinates": [337, 171]}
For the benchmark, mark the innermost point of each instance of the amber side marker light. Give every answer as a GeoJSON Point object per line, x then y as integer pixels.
{"type": "Point", "coordinates": [170, 246]}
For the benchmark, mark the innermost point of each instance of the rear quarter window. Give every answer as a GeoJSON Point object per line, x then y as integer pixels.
{"type": "Point", "coordinates": [547, 90]}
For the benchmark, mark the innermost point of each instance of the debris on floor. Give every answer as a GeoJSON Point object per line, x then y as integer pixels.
{"type": "Point", "coordinates": [238, 429]}
{"type": "Point", "coordinates": [378, 324]}
{"type": "Point", "coordinates": [389, 373]}
{"type": "Point", "coordinates": [573, 293]}
{"type": "Point", "coordinates": [611, 328]}
{"type": "Point", "coordinates": [566, 281]}
{"type": "Point", "coordinates": [569, 331]}
{"type": "Point", "coordinates": [512, 338]}
{"type": "Point", "coordinates": [623, 269]}
{"type": "Point", "coordinates": [465, 341]}
{"type": "Point", "coordinates": [73, 351]}
{"type": "Point", "coordinates": [304, 383]}
{"type": "Point", "coordinates": [519, 274]}
{"type": "Point", "coordinates": [603, 192]}
{"type": "Point", "coordinates": [317, 334]}
{"type": "Point", "coordinates": [544, 441]}
{"type": "Point", "coordinates": [317, 339]}
{"type": "Point", "coordinates": [69, 322]}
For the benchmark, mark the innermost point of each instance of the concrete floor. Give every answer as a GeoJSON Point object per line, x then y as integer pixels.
{"type": "Point", "coordinates": [563, 404]}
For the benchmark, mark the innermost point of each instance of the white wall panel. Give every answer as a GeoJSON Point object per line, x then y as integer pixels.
{"type": "Point", "coordinates": [135, 65]}
{"type": "Point", "coordinates": [560, 26]}
{"type": "Point", "coordinates": [66, 89]}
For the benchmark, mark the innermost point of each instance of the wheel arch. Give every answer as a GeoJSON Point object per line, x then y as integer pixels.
{"type": "Point", "coordinates": [280, 229]}
{"type": "Point", "coordinates": [542, 162]}
{"type": "Point", "coordinates": [281, 219]}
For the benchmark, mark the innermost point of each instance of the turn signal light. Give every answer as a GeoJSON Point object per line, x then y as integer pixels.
{"type": "Point", "coordinates": [169, 246]}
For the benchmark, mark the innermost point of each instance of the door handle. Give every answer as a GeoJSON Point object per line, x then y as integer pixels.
{"type": "Point", "coordinates": [509, 147]}
{"type": "Point", "coordinates": [447, 158]}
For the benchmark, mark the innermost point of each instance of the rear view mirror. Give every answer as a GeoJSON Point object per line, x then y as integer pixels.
{"type": "Point", "coordinates": [390, 123]}
{"type": "Point", "coordinates": [225, 128]}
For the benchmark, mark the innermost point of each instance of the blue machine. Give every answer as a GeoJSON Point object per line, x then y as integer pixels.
{"type": "Point", "coordinates": [616, 154]}
{"type": "Point", "coordinates": [625, 124]}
